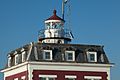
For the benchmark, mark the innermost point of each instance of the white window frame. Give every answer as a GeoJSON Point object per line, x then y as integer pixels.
{"type": "Point", "coordinates": [93, 77]}
{"type": "Point", "coordinates": [48, 76]}
{"type": "Point", "coordinates": [9, 62]}
{"type": "Point", "coordinates": [73, 55]}
{"type": "Point", "coordinates": [50, 51]}
{"type": "Point", "coordinates": [16, 59]}
{"type": "Point", "coordinates": [16, 79]}
{"type": "Point", "coordinates": [70, 77]}
{"type": "Point", "coordinates": [23, 56]}
{"type": "Point", "coordinates": [95, 56]}
{"type": "Point", "coordinates": [23, 77]}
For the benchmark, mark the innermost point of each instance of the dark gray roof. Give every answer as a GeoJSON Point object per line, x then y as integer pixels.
{"type": "Point", "coordinates": [34, 52]}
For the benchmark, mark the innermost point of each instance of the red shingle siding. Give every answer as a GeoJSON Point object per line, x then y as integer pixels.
{"type": "Point", "coordinates": [19, 75]}
{"type": "Point", "coordinates": [61, 74]}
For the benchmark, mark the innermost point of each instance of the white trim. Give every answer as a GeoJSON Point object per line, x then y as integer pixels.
{"type": "Point", "coordinates": [58, 63]}
{"type": "Point", "coordinates": [92, 77]}
{"type": "Point", "coordinates": [102, 57]}
{"type": "Point", "coordinates": [16, 79]}
{"type": "Point", "coordinates": [15, 52]}
{"type": "Point", "coordinates": [23, 77]}
{"type": "Point", "coordinates": [73, 55]}
{"type": "Point", "coordinates": [48, 76]}
{"type": "Point", "coordinates": [22, 49]}
{"type": "Point", "coordinates": [14, 67]}
{"type": "Point", "coordinates": [53, 21]}
{"type": "Point", "coordinates": [50, 54]}
{"type": "Point", "coordinates": [16, 59]}
{"type": "Point", "coordinates": [35, 52]}
{"type": "Point", "coordinates": [9, 62]}
{"type": "Point", "coordinates": [23, 56]}
{"type": "Point", "coordinates": [31, 44]}
{"type": "Point", "coordinates": [95, 56]}
{"type": "Point", "coordinates": [70, 76]}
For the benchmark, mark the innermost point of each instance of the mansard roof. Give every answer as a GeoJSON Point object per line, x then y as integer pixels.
{"type": "Point", "coordinates": [58, 50]}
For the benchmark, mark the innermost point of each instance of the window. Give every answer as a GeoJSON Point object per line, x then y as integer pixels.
{"type": "Point", "coordinates": [70, 77]}
{"type": "Point", "coordinates": [47, 55]}
{"type": "Point", "coordinates": [70, 55]}
{"type": "Point", "coordinates": [92, 56]}
{"type": "Point", "coordinates": [16, 59]}
{"type": "Point", "coordinates": [9, 62]}
{"type": "Point", "coordinates": [23, 56]}
{"type": "Point", "coordinates": [47, 77]}
{"type": "Point", "coordinates": [92, 77]}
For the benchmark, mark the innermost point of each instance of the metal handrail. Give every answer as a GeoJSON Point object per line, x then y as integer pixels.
{"type": "Point", "coordinates": [66, 33]}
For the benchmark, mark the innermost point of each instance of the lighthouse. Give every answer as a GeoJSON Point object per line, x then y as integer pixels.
{"type": "Point", "coordinates": [54, 31]}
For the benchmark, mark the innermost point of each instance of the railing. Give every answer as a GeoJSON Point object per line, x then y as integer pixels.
{"type": "Point", "coordinates": [67, 34]}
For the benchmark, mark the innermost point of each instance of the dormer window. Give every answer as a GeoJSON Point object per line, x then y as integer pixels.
{"type": "Point", "coordinates": [16, 59]}
{"type": "Point", "coordinates": [47, 55]}
{"type": "Point", "coordinates": [92, 56]}
{"type": "Point", "coordinates": [9, 62]}
{"type": "Point", "coordinates": [70, 55]}
{"type": "Point", "coordinates": [23, 54]}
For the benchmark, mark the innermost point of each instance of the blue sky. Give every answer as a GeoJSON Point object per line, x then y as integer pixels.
{"type": "Point", "coordinates": [92, 22]}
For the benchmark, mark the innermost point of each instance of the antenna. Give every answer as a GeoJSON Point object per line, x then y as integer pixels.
{"type": "Point", "coordinates": [63, 6]}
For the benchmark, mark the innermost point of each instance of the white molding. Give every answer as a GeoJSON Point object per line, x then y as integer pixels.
{"type": "Point", "coordinates": [22, 49]}
{"type": "Point", "coordinates": [88, 56]}
{"type": "Point", "coordinates": [23, 56]}
{"type": "Point", "coordinates": [50, 54]}
{"type": "Point", "coordinates": [71, 64]}
{"type": "Point", "coordinates": [58, 63]}
{"type": "Point", "coordinates": [92, 77]}
{"type": "Point", "coordinates": [73, 55]}
{"type": "Point", "coordinates": [23, 77]}
{"type": "Point", "coordinates": [70, 76]}
{"type": "Point", "coordinates": [15, 52]}
{"type": "Point", "coordinates": [14, 67]}
{"type": "Point", "coordinates": [31, 44]}
{"type": "Point", "coordinates": [16, 79]}
{"type": "Point", "coordinates": [9, 62]}
{"type": "Point", "coordinates": [48, 76]}
{"type": "Point", "coordinates": [35, 52]}
{"type": "Point", "coordinates": [16, 59]}
{"type": "Point", "coordinates": [53, 21]}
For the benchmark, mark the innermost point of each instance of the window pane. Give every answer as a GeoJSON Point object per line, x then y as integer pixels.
{"type": "Point", "coordinates": [42, 78]}
{"type": "Point", "coordinates": [51, 78]}
{"type": "Point", "coordinates": [47, 55]}
{"type": "Point", "coordinates": [92, 57]}
{"type": "Point", "coordinates": [70, 79]}
{"type": "Point", "coordinates": [17, 60]}
{"type": "Point", "coordinates": [70, 56]}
